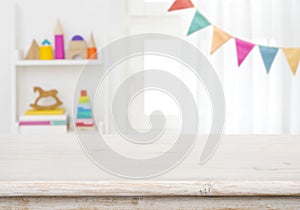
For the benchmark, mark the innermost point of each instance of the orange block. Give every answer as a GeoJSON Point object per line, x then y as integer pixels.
{"type": "Point", "coordinates": [83, 93]}
{"type": "Point", "coordinates": [92, 53]}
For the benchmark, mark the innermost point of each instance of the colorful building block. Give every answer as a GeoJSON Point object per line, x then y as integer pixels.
{"type": "Point", "coordinates": [59, 41]}
{"type": "Point", "coordinates": [46, 51]}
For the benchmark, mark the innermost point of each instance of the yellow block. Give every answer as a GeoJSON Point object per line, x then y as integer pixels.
{"type": "Point", "coordinates": [60, 111]}
{"type": "Point", "coordinates": [84, 99]}
{"type": "Point", "coordinates": [46, 53]}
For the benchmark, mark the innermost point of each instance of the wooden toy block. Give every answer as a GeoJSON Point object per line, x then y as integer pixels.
{"type": "Point", "coordinates": [34, 52]}
{"type": "Point", "coordinates": [83, 93]}
{"type": "Point", "coordinates": [59, 41]}
{"type": "Point", "coordinates": [46, 51]}
{"type": "Point", "coordinates": [84, 99]}
{"type": "Point", "coordinates": [77, 47]}
{"type": "Point", "coordinates": [92, 50]}
{"type": "Point", "coordinates": [84, 120]}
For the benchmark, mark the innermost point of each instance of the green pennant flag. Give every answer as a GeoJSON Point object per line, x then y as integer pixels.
{"type": "Point", "coordinates": [199, 22]}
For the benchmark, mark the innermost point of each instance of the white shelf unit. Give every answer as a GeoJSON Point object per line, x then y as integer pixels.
{"type": "Point", "coordinates": [49, 74]}
{"type": "Point", "coordinates": [20, 65]}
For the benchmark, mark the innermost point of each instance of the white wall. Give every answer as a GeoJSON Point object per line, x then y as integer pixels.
{"type": "Point", "coordinates": [36, 19]}
{"type": "Point", "coordinates": [5, 37]}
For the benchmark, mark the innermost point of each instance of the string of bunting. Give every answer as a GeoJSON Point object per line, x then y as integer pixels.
{"type": "Point", "coordinates": [243, 48]}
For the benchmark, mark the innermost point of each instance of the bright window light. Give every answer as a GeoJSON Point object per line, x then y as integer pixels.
{"type": "Point", "coordinates": [157, 100]}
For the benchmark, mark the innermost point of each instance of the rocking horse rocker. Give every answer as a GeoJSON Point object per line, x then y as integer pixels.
{"type": "Point", "coordinates": [45, 94]}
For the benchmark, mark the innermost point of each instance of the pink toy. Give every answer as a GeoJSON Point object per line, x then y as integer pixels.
{"type": "Point", "coordinates": [59, 42]}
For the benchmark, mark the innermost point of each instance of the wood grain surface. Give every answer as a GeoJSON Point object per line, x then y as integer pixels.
{"type": "Point", "coordinates": [238, 158]}
{"type": "Point", "coordinates": [149, 203]}
{"type": "Point", "coordinates": [151, 188]}
{"type": "Point", "coordinates": [246, 172]}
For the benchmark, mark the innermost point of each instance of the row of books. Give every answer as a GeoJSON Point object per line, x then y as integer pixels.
{"type": "Point", "coordinates": [44, 121]}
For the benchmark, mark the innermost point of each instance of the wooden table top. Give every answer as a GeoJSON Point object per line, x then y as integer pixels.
{"type": "Point", "coordinates": [243, 165]}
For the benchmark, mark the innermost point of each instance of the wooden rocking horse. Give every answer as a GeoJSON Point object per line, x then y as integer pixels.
{"type": "Point", "coordinates": [45, 94]}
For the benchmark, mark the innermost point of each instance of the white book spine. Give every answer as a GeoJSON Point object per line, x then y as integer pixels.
{"type": "Point", "coordinates": [30, 118]}
{"type": "Point", "coordinates": [43, 129]}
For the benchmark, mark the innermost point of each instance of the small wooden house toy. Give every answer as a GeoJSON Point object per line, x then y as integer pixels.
{"type": "Point", "coordinates": [77, 48]}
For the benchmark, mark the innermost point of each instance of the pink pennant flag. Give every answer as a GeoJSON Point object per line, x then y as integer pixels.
{"type": "Point", "coordinates": [181, 4]}
{"type": "Point", "coordinates": [243, 49]}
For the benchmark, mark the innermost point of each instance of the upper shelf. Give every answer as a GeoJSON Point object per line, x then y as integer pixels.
{"type": "Point", "coordinates": [24, 63]}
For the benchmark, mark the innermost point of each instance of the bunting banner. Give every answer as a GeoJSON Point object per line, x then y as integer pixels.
{"type": "Point", "coordinates": [268, 55]}
{"type": "Point", "coordinates": [199, 22]}
{"type": "Point", "coordinates": [243, 48]}
{"type": "Point", "coordinates": [181, 4]}
{"type": "Point", "coordinates": [292, 56]}
{"type": "Point", "coordinates": [219, 38]}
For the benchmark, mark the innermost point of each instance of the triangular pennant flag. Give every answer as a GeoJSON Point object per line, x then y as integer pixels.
{"type": "Point", "coordinates": [181, 4]}
{"type": "Point", "coordinates": [199, 22]}
{"type": "Point", "coordinates": [243, 49]}
{"type": "Point", "coordinates": [219, 38]}
{"type": "Point", "coordinates": [268, 55]}
{"type": "Point", "coordinates": [292, 56]}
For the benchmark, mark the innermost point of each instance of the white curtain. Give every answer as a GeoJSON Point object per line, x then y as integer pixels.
{"type": "Point", "coordinates": [255, 101]}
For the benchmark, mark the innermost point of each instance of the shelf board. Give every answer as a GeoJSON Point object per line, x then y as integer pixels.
{"type": "Point", "coordinates": [32, 63]}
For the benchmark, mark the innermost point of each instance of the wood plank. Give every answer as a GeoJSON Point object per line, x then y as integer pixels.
{"type": "Point", "coordinates": [239, 158]}
{"type": "Point", "coordinates": [150, 188]}
{"type": "Point", "coordinates": [42, 171]}
{"type": "Point", "coordinates": [149, 203]}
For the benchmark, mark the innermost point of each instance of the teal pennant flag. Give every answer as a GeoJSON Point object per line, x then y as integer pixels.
{"type": "Point", "coordinates": [199, 22]}
{"type": "Point", "coordinates": [268, 55]}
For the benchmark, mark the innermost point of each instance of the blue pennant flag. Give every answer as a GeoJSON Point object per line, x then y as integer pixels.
{"type": "Point", "coordinates": [268, 55]}
{"type": "Point", "coordinates": [199, 22]}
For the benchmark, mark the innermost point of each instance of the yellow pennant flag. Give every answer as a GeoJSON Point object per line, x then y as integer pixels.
{"type": "Point", "coordinates": [219, 38]}
{"type": "Point", "coordinates": [292, 55]}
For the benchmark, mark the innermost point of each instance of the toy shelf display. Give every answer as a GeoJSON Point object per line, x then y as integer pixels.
{"type": "Point", "coordinates": [58, 63]}
{"type": "Point", "coordinates": [45, 58]}
{"type": "Point", "coordinates": [53, 119]}
{"type": "Point", "coordinates": [44, 118]}
{"type": "Point", "coordinates": [77, 48]}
